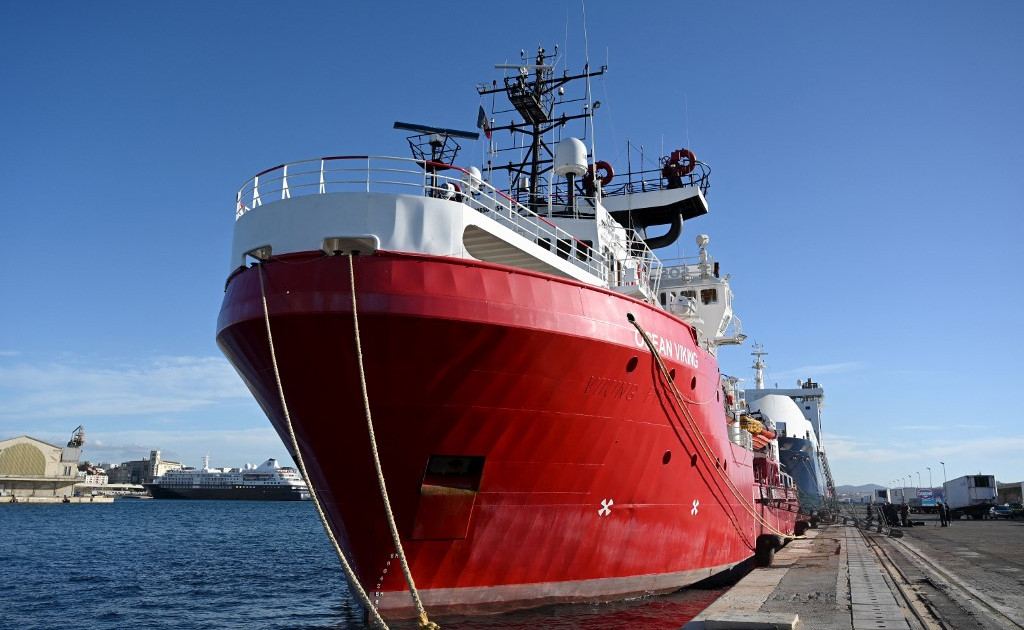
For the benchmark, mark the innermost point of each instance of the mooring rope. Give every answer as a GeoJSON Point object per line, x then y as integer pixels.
{"type": "Point", "coordinates": [350, 573]}
{"type": "Point", "coordinates": [420, 610]}
{"type": "Point", "coordinates": [698, 434]}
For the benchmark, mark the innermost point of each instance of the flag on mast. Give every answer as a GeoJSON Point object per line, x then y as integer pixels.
{"type": "Point", "coordinates": [481, 122]}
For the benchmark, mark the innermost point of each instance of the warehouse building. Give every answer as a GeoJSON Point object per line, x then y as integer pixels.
{"type": "Point", "coordinates": [33, 468]}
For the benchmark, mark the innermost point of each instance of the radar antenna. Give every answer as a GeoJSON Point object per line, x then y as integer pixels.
{"type": "Point", "coordinates": [435, 144]}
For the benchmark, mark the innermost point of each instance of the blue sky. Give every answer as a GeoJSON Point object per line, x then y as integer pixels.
{"type": "Point", "coordinates": [866, 197]}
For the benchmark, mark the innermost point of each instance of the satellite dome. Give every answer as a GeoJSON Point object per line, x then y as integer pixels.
{"type": "Point", "coordinates": [570, 157]}
{"type": "Point", "coordinates": [472, 179]}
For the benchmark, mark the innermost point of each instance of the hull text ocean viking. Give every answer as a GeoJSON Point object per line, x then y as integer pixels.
{"type": "Point", "coordinates": [668, 348]}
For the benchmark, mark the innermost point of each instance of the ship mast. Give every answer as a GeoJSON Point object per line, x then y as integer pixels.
{"type": "Point", "coordinates": [535, 98]}
{"type": "Point", "coordinates": [758, 366]}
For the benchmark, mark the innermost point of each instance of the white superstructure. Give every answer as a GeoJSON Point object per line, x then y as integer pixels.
{"type": "Point", "coordinates": [694, 291]}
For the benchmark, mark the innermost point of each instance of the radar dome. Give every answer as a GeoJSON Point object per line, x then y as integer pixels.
{"type": "Point", "coordinates": [570, 157]}
{"type": "Point", "coordinates": [472, 179]}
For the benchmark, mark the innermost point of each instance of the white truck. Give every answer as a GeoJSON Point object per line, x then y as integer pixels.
{"type": "Point", "coordinates": [970, 495]}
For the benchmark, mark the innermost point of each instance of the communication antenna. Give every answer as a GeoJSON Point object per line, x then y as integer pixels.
{"type": "Point", "coordinates": [534, 93]}
{"type": "Point", "coordinates": [591, 106]}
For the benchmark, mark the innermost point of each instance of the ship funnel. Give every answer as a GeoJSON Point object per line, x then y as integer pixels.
{"type": "Point", "coordinates": [570, 157]}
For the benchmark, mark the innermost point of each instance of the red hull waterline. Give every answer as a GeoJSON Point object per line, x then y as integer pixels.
{"type": "Point", "coordinates": [531, 450]}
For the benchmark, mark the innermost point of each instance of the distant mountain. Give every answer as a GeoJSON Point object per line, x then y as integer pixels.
{"type": "Point", "coordinates": [865, 489]}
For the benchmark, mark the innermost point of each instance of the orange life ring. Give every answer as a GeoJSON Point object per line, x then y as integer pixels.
{"type": "Point", "coordinates": [601, 165]}
{"type": "Point", "coordinates": [676, 167]}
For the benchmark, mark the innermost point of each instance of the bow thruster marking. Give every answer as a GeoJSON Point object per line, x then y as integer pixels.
{"type": "Point", "coordinates": [696, 503]}
{"type": "Point", "coordinates": [606, 507]}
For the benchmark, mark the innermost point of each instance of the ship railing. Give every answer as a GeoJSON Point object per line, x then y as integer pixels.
{"type": "Point", "coordinates": [684, 270]}
{"type": "Point", "coordinates": [362, 173]}
{"type": "Point", "coordinates": [631, 182]}
{"type": "Point", "coordinates": [639, 271]}
{"type": "Point", "coordinates": [653, 179]}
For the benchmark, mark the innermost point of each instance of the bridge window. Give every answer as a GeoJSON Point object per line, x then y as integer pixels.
{"type": "Point", "coordinates": [709, 296]}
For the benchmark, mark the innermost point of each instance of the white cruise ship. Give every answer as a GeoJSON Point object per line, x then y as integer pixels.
{"type": "Point", "coordinates": [266, 482]}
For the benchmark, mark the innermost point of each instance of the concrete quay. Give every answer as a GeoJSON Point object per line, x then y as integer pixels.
{"type": "Point", "coordinates": [845, 577]}
{"type": "Point", "coordinates": [21, 500]}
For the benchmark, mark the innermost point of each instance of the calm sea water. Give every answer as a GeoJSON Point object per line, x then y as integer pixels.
{"type": "Point", "coordinates": [204, 565]}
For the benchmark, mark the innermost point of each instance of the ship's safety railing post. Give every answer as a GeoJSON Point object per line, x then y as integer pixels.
{"type": "Point", "coordinates": [285, 194]}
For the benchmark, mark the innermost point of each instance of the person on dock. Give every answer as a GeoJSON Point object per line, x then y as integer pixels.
{"type": "Point", "coordinates": [904, 515]}
{"type": "Point", "coordinates": [869, 506]}
{"type": "Point", "coordinates": [943, 519]}
{"type": "Point", "coordinates": [891, 518]}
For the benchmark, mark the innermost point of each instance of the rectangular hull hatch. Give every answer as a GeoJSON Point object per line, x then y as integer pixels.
{"type": "Point", "coordinates": [447, 496]}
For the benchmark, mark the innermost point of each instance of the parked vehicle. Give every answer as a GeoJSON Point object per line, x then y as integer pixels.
{"type": "Point", "coordinates": [970, 495]}
{"type": "Point", "coordinates": [1000, 511]}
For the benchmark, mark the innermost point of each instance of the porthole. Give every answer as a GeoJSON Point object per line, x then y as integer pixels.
{"type": "Point", "coordinates": [672, 374]}
{"type": "Point", "coordinates": [632, 363]}
{"type": "Point", "coordinates": [667, 457]}
{"type": "Point", "coordinates": [693, 383]}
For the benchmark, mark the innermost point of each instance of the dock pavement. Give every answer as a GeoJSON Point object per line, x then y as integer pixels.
{"type": "Point", "coordinates": [851, 576]}
{"type": "Point", "coordinates": [828, 579]}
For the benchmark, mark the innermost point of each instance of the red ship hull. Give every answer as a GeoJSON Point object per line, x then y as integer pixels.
{"type": "Point", "coordinates": [531, 452]}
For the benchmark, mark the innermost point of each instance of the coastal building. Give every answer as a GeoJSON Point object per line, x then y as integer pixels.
{"type": "Point", "coordinates": [141, 471]}
{"type": "Point", "coordinates": [93, 479]}
{"type": "Point", "coordinates": [33, 468]}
